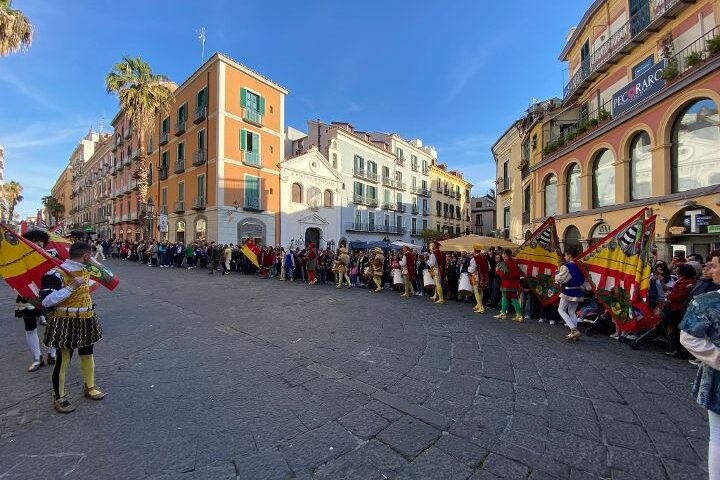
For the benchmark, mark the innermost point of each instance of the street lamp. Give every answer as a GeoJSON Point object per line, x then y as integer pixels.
{"type": "Point", "coordinates": [149, 211]}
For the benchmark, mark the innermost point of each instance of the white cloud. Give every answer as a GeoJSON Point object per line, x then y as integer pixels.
{"type": "Point", "coordinates": [41, 134]}
{"type": "Point", "coordinates": [24, 89]}
{"type": "Point", "coordinates": [353, 107]}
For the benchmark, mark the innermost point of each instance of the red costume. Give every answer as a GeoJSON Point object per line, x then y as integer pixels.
{"type": "Point", "coordinates": [482, 270]}
{"type": "Point", "coordinates": [410, 265]}
{"type": "Point", "coordinates": [311, 262]}
{"type": "Point", "coordinates": [440, 259]}
{"type": "Point", "coordinates": [509, 273]}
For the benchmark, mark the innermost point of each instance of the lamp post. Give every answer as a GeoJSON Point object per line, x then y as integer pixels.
{"type": "Point", "coordinates": [149, 212]}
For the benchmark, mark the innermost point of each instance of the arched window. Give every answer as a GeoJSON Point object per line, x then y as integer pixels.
{"type": "Point", "coordinates": [550, 195]}
{"type": "Point", "coordinates": [640, 167]}
{"type": "Point", "coordinates": [200, 229]}
{"type": "Point", "coordinates": [297, 192]}
{"type": "Point", "coordinates": [696, 147]}
{"type": "Point", "coordinates": [572, 238]}
{"type": "Point", "coordinates": [328, 199]}
{"type": "Point", "coordinates": [573, 189]}
{"type": "Point", "coordinates": [334, 160]}
{"type": "Point", "coordinates": [180, 231]}
{"type": "Point", "coordinates": [603, 181]}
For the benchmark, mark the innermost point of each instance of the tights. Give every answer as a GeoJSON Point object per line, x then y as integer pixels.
{"type": "Point", "coordinates": [31, 337]}
{"type": "Point", "coordinates": [714, 447]}
{"type": "Point", "coordinates": [478, 298]}
{"type": "Point", "coordinates": [567, 311]}
{"type": "Point", "coordinates": [507, 298]}
{"type": "Point", "coordinates": [87, 368]}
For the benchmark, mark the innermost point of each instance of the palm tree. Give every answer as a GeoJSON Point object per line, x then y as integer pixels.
{"type": "Point", "coordinates": [54, 207]}
{"type": "Point", "coordinates": [12, 191]}
{"type": "Point", "coordinates": [142, 95]}
{"type": "Point", "coordinates": [16, 31]}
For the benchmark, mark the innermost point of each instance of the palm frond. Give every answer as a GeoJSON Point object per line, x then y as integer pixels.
{"type": "Point", "coordinates": [16, 31]}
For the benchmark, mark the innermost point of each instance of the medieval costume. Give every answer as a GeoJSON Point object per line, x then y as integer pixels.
{"type": "Point", "coordinates": [479, 276]}
{"type": "Point", "coordinates": [376, 265]}
{"type": "Point", "coordinates": [32, 313]}
{"type": "Point", "coordinates": [72, 324]}
{"type": "Point", "coordinates": [572, 279]}
{"type": "Point", "coordinates": [407, 269]}
{"type": "Point", "coordinates": [436, 264]}
{"type": "Point", "coordinates": [509, 273]}
{"type": "Point", "coordinates": [312, 263]}
{"type": "Point", "coordinates": [343, 263]}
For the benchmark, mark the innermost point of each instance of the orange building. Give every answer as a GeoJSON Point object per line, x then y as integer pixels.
{"type": "Point", "coordinates": [213, 160]}
{"type": "Point", "coordinates": [639, 126]}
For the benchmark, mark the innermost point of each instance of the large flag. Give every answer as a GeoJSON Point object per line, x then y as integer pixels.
{"type": "Point", "coordinates": [539, 258]}
{"type": "Point", "coordinates": [251, 251]}
{"type": "Point", "coordinates": [57, 229]}
{"type": "Point", "coordinates": [22, 263]}
{"type": "Point", "coordinates": [612, 268]}
{"type": "Point", "coordinates": [39, 222]}
{"type": "Point", "coordinates": [58, 246]}
{"type": "Point", "coordinates": [99, 273]}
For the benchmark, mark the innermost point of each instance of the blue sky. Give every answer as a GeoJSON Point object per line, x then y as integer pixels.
{"type": "Point", "coordinates": [454, 74]}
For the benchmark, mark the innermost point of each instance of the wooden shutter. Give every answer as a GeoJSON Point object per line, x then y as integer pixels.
{"type": "Point", "coordinates": [243, 97]}
{"type": "Point", "coordinates": [242, 139]}
{"type": "Point", "coordinates": [261, 105]}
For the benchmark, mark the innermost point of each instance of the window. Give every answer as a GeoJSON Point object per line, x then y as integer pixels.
{"type": "Point", "coordinates": [371, 192]}
{"type": "Point", "coordinates": [182, 114]}
{"type": "Point", "coordinates": [399, 152]}
{"type": "Point", "coordinates": [358, 218]}
{"type": "Point", "coordinates": [413, 162]}
{"type": "Point", "coordinates": [328, 199]}
{"type": "Point", "coordinates": [163, 200]}
{"type": "Point", "coordinates": [526, 205]}
{"type": "Point", "coordinates": [413, 183]}
{"type": "Point", "coordinates": [201, 189]}
{"type": "Point", "coordinates": [166, 125]}
{"type": "Point", "coordinates": [181, 151]}
{"type": "Point", "coordinates": [200, 229]}
{"type": "Point", "coordinates": [603, 180]}
{"type": "Point", "coordinates": [398, 179]}
{"type": "Point", "coordinates": [201, 140]}
{"type": "Point", "coordinates": [149, 148]}
{"type": "Point", "coordinates": [398, 222]}
{"type": "Point", "coordinates": [150, 174]}
{"type": "Point", "coordinates": [164, 160]}
{"type": "Point", "coordinates": [640, 167]}
{"type": "Point", "coordinates": [359, 164]}
{"type": "Point", "coordinates": [506, 175]}
{"type": "Point", "coordinates": [359, 189]}
{"type": "Point", "coordinates": [413, 225]}
{"type": "Point", "coordinates": [695, 142]}
{"type": "Point", "coordinates": [181, 192]}
{"type": "Point", "coordinates": [372, 169]}
{"type": "Point", "coordinates": [297, 192]}
{"type": "Point", "coordinates": [550, 195]}
{"type": "Point", "coordinates": [371, 220]}
{"type": "Point", "coordinates": [398, 198]}
{"type": "Point", "coordinates": [201, 98]}
{"type": "Point", "coordinates": [573, 189]}
{"type": "Point", "coordinates": [180, 231]}
{"type": "Point", "coordinates": [457, 230]}
{"type": "Point", "coordinates": [438, 206]}
{"type": "Point", "coordinates": [334, 160]}
{"type": "Point", "coordinates": [572, 238]}
{"type": "Point", "coordinates": [250, 145]}
{"type": "Point", "coordinates": [386, 172]}
{"type": "Point", "coordinates": [506, 217]}
{"type": "Point", "coordinates": [425, 224]}
{"type": "Point", "coordinates": [253, 106]}
{"type": "Point", "coordinates": [252, 192]}
{"type": "Point", "coordinates": [386, 196]}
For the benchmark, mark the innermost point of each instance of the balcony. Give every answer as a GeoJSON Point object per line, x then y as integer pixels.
{"type": "Point", "coordinates": [386, 206]}
{"type": "Point", "coordinates": [396, 230]}
{"type": "Point", "coordinates": [389, 182]}
{"type": "Point", "coordinates": [198, 203]}
{"type": "Point", "coordinates": [163, 173]}
{"type": "Point", "coordinates": [425, 171]}
{"type": "Point", "coordinates": [198, 157]}
{"type": "Point", "coordinates": [127, 188]}
{"type": "Point", "coordinates": [133, 216]}
{"type": "Point", "coordinates": [422, 191]}
{"type": "Point", "coordinates": [251, 159]}
{"type": "Point", "coordinates": [135, 154]}
{"type": "Point", "coordinates": [415, 210]}
{"type": "Point", "coordinates": [622, 42]}
{"type": "Point", "coordinates": [179, 207]}
{"type": "Point", "coordinates": [363, 200]}
{"type": "Point", "coordinates": [415, 232]}
{"type": "Point", "coordinates": [363, 227]}
{"type": "Point", "coordinates": [179, 165]}
{"type": "Point", "coordinates": [180, 128]}
{"type": "Point", "coordinates": [164, 138]}
{"type": "Point", "coordinates": [200, 114]}
{"type": "Point", "coordinates": [253, 204]}
{"type": "Point", "coordinates": [124, 217]}
{"type": "Point", "coordinates": [399, 207]}
{"type": "Point", "coordinates": [426, 212]}
{"type": "Point", "coordinates": [128, 133]}
{"type": "Point", "coordinates": [127, 161]}
{"type": "Point", "coordinates": [134, 185]}
{"type": "Point", "coordinates": [365, 175]}
{"type": "Point", "coordinates": [117, 141]}
{"type": "Point", "coordinates": [252, 116]}
{"type": "Point", "coordinates": [503, 185]}
{"type": "Point", "coordinates": [400, 161]}
{"type": "Point", "coordinates": [414, 167]}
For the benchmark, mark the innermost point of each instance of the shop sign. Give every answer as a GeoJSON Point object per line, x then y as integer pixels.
{"type": "Point", "coordinates": [677, 230]}
{"type": "Point", "coordinates": [695, 221]}
{"type": "Point", "coordinates": [713, 228]}
{"type": "Point", "coordinates": [639, 89]}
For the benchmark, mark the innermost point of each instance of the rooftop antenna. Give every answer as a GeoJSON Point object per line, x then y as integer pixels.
{"type": "Point", "coordinates": [201, 37]}
{"type": "Point", "coordinates": [101, 124]}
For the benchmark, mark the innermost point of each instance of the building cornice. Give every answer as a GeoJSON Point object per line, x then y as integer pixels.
{"type": "Point", "coordinates": [580, 28]}
{"type": "Point", "coordinates": [364, 143]}
{"type": "Point", "coordinates": [449, 176]}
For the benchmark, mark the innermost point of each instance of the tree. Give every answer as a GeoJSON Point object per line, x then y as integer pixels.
{"type": "Point", "coordinates": [142, 95]}
{"type": "Point", "coordinates": [54, 207]}
{"type": "Point", "coordinates": [12, 192]}
{"type": "Point", "coordinates": [16, 31]}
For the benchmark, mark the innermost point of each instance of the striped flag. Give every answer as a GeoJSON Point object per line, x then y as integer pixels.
{"type": "Point", "coordinates": [39, 221]}
{"type": "Point", "coordinates": [57, 229]}
{"type": "Point", "coordinates": [251, 251]}
{"type": "Point", "coordinates": [22, 263]}
{"type": "Point", "coordinates": [539, 258]}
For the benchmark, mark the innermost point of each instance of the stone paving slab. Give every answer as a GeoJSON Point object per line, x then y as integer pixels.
{"type": "Point", "coordinates": [235, 377]}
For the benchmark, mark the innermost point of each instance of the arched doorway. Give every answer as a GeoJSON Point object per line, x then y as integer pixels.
{"type": "Point", "coordinates": [312, 234]}
{"type": "Point", "coordinates": [572, 238]}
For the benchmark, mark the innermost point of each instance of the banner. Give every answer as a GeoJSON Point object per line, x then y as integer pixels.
{"type": "Point", "coordinates": [612, 265]}
{"type": "Point", "coordinates": [57, 229]}
{"type": "Point", "coordinates": [102, 275]}
{"type": "Point", "coordinates": [22, 263]}
{"type": "Point", "coordinates": [539, 258]}
{"type": "Point", "coordinates": [251, 251]}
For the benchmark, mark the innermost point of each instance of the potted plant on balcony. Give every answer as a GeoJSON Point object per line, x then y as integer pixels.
{"type": "Point", "coordinates": [694, 58]}
{"type": "Point", "coordinates": [603, 115]}
{"type": "Point", "coordinates": [713, 46]}
{"type": "Point", "coordinates": [671, 70]}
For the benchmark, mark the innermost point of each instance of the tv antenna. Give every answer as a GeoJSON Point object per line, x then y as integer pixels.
{"type": "Point", "coordinates": [201, 37]}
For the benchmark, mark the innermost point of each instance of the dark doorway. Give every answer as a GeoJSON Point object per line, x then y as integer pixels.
{"type": "Point", "coordinates": [312, 235]}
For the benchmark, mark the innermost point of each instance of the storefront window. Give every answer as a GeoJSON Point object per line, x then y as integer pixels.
{"type": "Point", "coordinates": [200, 229]}
{"type": "Point", "coordinates": [604, 180]}
{"type": "Point", "coordinates": [551, 196]}
{"type": "Point", "coordinates": [695, 147]}
{"type": "Point", "coordinates": [573, 189]}
{"type": "Point", "coordinates": [180, 231]}
{"type": "Point", "coordinates": [640, 167]}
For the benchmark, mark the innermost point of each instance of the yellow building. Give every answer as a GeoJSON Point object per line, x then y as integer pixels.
{"type": "Point", "coordinates": [640, 126]}
{"type": "Point", "coordinates": [62, 190]}
{"type": "Point", "coordinates": [449, 201]}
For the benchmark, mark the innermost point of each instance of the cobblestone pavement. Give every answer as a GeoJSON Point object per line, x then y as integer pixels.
{"type": "Point", "coordinates": [230, 377]}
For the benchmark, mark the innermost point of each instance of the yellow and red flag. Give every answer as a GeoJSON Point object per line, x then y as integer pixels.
{"type": "Point", "coordinates": [22, 263]}
{"type": "Point", "coordinates": [99, 273]}
{"type": "Point", "coordinates": [614, 268]}
{"type": "Point", "coordinates": [539, 258]}
{"type": "Point", "coordinates": [251, 251]}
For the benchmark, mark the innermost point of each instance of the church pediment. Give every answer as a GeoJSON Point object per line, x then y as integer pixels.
{"type": "Point", "coordinates": [310, 164]}
{"type": "Point", "coordinates": [313, 219]}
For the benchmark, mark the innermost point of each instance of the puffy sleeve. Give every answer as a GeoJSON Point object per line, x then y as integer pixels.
{"type": "Point", "coordinates": [472, 267]}
{"type": "Point", "coordinates": [696, 322]}
{"type": "Point", "coordinates": [53, 291]}
{"type": "Point", "coordinates": [562, 275]}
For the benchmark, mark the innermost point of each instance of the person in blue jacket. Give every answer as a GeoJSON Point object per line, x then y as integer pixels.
{"type": "Point", "coordinates": [572, 280]}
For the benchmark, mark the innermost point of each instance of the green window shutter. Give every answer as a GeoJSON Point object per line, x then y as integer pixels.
{"type": "Point", "coordinates": [261, 105]}
{"type": "Point", "coordinates": [242, 139]}
{"type": "Point", "coordinates": [256, 142]}
{"type": "Point", "coordinates": [243, 97]}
